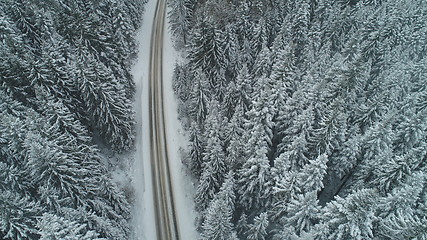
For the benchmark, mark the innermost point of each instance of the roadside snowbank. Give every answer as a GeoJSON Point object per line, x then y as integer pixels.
{"type": "Point", "coordinates": [182, 185]}
{"type": "Point", "coordinates": [143, 212]}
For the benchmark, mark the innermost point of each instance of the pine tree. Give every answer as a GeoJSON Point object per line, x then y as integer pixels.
{"type": "Point", "coordinates": [218, 223]}
{"type": "Point", "coordinates": [213, 165]}
{"type": "Point", "coordinates": [243, 91]}
{"type": "Point", "coordinates": [214, 154]}
{"type": "Point", "coordinates": [194, 158]}
{"type": "Point", "coordinates": [242, 225]}
{"type": "Point", "coordinates": [54, 227]}
{"type": "Point", "coordinates": [230, 46]}
{"type": "Point", "coordinates": [199, 98]}
{"type": "Point", "coordinates": [284, 74]}
{"type": "Point", "coordinates": [253, 181]}
{"type": "Point", "coordinates": [258, 229]}
{"type": "Point", "coordinates": [105, 101]}
{"type": "Point", "coordinates": [260, 35]}
{"type": "Point", "coordinates": [180, 18]}
{"type": "Point", "coordinates": [331, 131]}
{"type": "Point", "coordinates": [206, 187]}
{"type": "Point", "coordinates": [295, 122]}
{"type": "Point", "coordinates": [254, 176]}
{"type": "Point", "coordinates": [404, 224]}
{"type": "Point", "coordinates": [207, 52]}
{"type": "Point", "coordinates": [181, 82]}
{"type": "Point", "coordinates": [348, 156]}
{"type": "Point", "coordinates": [18, 216]}
{"type": "Point", "coordinates": [407, 195]}
{"type": "Point", "coordinates": [303, 211]}
{"type": "Point", "coordinates": [300, 25]}
{"type": "Point", "coordinates": [50, 166]}
{"type": "Point", "coordinates": [312, 174]}
{"type": "Point", "coordinates": [263, 62]}
{"type": "Point", "coordinates": [287, 233]}
{"type": "Point", "coordinates": [411, 129]}
{"type": "Point", "coordinates": [351, 217]}
{"type": "Point", "coordinates": [286, 185]}
{"type": "Point", "coordinates": [369, 112]}
{"type": "Point", "coordinates": [234, 138]}
{"type": "Point", "coordinates": [15, 61]}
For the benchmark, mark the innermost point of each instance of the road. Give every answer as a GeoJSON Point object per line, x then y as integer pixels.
{"type": "Point", "coordinates": [165, 213]}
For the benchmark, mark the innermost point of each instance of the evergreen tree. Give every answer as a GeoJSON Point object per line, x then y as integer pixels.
{"type": "Point", "coordinates": [18, 216]}
{"type": "Point", "coordinates": [263, 62]}
{"type": "Point", "coordinates": [231, 51]}
{"type": "Point", "coordinates": [218, 223]}
{"type": "Point", "coordinates": [254, 176]}
{"type": "Point", "coordinates": [180, 18]}
{"type": "Point", "coordinates": [331, 131]}
{"type": "Point", "coordinates": [325, 103]}
{"type": "Point", "coordinates": [105, 101]}
{"type": "Point", "coordinates": [242, 225]}
{"type": "Point", "coordinates": [54, 227]}
{"type": "Point", "coordinates": [61, 71]}
{"type": "Point", "coordinates": [194, 159]}
{"type": "Point", "coordinates": [207, 51]}
{"type": "Point", "coordinates": [311, 176]}
{"type": "Point", "coordinates": [286, 184]}
{"type": "Point", "coordinates": [303, 212]}
{"type": "Point", "coordinates": [350, 217]}
{"type": "Point", "coordinates": [199, 98]}
{"type": "Point", "coordinates": [235, 139]}
{"type": "Point", "coordinates": [300, 25]}
{"type": "Point", "coordinates": [214, 165]}
{"type": "Point", "coordinates": [258, 229]}
{"type": "Point", "coordinates": [404, 224]}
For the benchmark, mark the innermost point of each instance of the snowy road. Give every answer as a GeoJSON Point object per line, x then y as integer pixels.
{"type": "Point", "coordinates": [166, 221]}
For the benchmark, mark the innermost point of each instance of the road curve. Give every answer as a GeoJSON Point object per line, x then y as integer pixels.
{"type": "Point", "coordinates": [164, 207]}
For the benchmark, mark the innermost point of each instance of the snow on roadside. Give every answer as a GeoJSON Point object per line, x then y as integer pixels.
{"type": "Point", "coordinates": [182, 185]}
{"type": "Point", "coordinates": [143, 212]}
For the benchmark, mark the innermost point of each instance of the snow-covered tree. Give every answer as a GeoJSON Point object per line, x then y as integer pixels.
{"type": "Point", "coordinates": [254, 180]}
{"type": "Point", "coordinates": [180, 18]}
{"type": "Point", "coordinates": [312, 174]}
{"type": "Point", "coordinates": [105, 101]}
{"type": "Point", "coordinates": [214, 163]}
{"type": "Point", "coordinates": [18, 216]}
{"type": "Point", "coordinates": [322, 103]}
{"type": "Point", "coordinates": [218, 220]}
{"type": "Point", "coordinates": [404, 224]}
{"type": "Point", "coordinates": [199, 98]}
{"type": "Point", "coordinates": [194, 158]}
{"type": "Point", "coordinates": [352, 217]}
{"type": "Point", "coordinates": [258, 229]}
{"type": "Point", "coordinates": [303, 211]}
{"type": "Point", "coordinates": [64, 82]}
{"type": "Point", "coordinates": [54, 227]}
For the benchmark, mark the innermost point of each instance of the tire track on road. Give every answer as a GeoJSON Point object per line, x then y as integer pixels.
{"type": "Point", "coordinates": [165, 213]}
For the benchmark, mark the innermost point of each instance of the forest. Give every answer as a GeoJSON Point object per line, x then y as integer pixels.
{"type": "Point", "coordinates": [66, 97]}
{"type": "Point", "coordinates": [307, 119]}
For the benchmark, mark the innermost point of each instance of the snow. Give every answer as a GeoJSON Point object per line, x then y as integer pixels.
{"type": "Point", "coordinates": [143, 215]}
{"type": "Point", "coordinates": [143, 212]}
{"type": "Point", "coordinates": [176, 139]}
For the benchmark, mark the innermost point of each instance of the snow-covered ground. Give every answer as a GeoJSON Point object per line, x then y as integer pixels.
{"type": "Point", "coordinates": [183, 188]}
{"type": "Point", "coordinates": [143, 217]}
{"type": "Point", "coordinates": [143, 214]}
